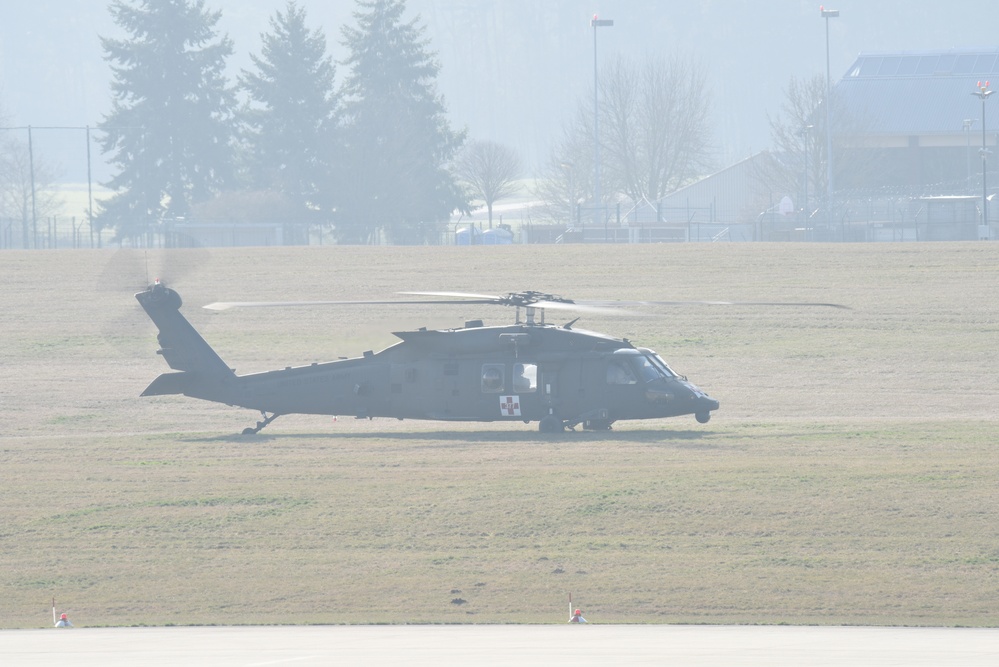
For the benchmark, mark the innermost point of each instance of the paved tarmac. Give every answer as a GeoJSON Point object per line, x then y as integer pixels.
{"type": "Point", "coordinates": [483, 645]}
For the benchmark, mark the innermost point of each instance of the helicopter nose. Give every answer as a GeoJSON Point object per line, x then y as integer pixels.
{"type": "Point", "coordinates": [702, 402]}
{"type": "Point", "coordinates": [657, 394]}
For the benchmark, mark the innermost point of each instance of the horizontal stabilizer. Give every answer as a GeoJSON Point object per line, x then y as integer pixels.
{"type": "Point", "coordinates": [170, 383]}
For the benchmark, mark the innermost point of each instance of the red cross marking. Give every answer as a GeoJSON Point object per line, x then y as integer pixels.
{"type": "Point", "coordinates": [510, 406]}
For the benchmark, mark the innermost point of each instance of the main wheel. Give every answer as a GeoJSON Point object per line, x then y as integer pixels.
{"type": "Point", "coordinates": [703, 417]}
{"type": "Point", "coordinates": [551, 424]}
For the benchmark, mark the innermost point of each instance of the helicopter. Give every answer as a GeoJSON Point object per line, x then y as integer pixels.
{"type": "Point", "coordinates": [529, 371]}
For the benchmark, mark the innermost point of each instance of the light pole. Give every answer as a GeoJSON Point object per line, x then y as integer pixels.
{"type": "Point", "coordinates": [570, 170]}
{"type": "Point", "coordinates": [597, 201]}
{"type": "Point", "coordinates": [828, 14]}
{"type": "Point", "coordinates": [804, 140]}
{"type": "Point", "coordinates": [968, 122]}
{"type": "Point", "coordinates": [34, 216]}
{"type": "Point", "coordinates": [984, 92]}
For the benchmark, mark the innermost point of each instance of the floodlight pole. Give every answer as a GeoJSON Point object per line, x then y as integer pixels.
{"type": "Point", "coordinates": [984, 92]}
{"type": "Point", "coordinates": [968, 122]}
{"type": "Point", "coordinates": [597, 200]}
{"type": "Point", "coordinates": [804, 139]}
{"type": "Point", "coordinates": [34, 215]}
{"type": "Point", "coordinates": [569, 168]}
{"type": "Point", "coordinates": [828, 14]}
{"type": "Point", "coordinates": [90, 192]}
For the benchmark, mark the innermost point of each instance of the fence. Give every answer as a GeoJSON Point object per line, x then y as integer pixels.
{"type": "Point", "coordinates": [50, 232]}
{"type": "Point", "coordinates": [888, 219]}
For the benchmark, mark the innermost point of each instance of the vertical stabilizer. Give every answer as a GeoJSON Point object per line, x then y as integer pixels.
{"type": "Point", "coordinates": [181, 345]}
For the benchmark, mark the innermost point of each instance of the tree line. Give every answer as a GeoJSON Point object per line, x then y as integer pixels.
{"type": "Point", "coordinates": [363, 147]}
{"type": "Point", "coordinates": [372, 154]}
{"type": "Point", "coordinates": [367, 155]}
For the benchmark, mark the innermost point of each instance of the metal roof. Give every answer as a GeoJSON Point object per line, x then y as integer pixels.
{"type": "Point", "coordinates": [917, 93]}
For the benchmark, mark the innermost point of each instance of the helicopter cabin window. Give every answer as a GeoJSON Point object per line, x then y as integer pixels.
{"type": "Point", "coordinates": [618, 372]}
{"type": "Point", "coordinates": [525, 378]}
{"type": "Point", "coordinates": [492, 378]}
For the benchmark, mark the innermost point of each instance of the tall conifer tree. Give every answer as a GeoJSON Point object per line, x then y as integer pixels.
{"type": "Point", "coordinates": [170, 128]}
{"type": "Point", "coordinates": [292, 113]}
{"type": "Point", "coordinates": [398, 141]}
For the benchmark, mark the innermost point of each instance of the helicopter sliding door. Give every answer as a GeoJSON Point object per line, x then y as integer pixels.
{"type": "Point", "coordinates": [548, 392]}
{"type": "Point", "coordinates": [545, 397]}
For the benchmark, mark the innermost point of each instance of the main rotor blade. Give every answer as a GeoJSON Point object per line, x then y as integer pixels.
{"type": "Point", "coordinates": [457, 295]}
{"type": "Point", "coordinates": [583, 307]}
{"type": "Point", "coordinates": [227, 305]}
{"type": "Point", "coordinates": [716, 303]}
{"type": "Point", "coordinates": [464, 298]}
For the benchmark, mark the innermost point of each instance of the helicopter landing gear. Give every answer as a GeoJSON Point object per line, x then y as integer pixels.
{"type": "Point", "coordinates": [260, 424]}
{"type": "Point", "coordinates": [551, 424]}
{"type": "Point", "coordinates": [702, 417]}
{"type": "Point", "coordinates": [597, 425]}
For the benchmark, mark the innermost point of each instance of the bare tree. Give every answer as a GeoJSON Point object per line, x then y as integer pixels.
{"type": "Point", "coordinates": [567, 176]}
{"type": "Point", "coordinates": [654, 135]}
{"type": "Point", "coordinates": [655, 129]}
{"type": "Point", "coordinates": [489, 170]}
{"type": "Point", "coordinates": [24, 195]}
{"type": "Point", "coordinates": [798, 136]}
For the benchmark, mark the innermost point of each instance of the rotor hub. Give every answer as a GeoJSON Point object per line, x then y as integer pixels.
{"type": "Point", "coordinates": [531, 297]}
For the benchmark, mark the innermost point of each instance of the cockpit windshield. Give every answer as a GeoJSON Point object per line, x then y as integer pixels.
{"type": "Point", "coordinates": [661, 365]}
{"type": "Point", "coordinates": [645, 369]}
{"type": "Point", "coordinates": [637, 366]}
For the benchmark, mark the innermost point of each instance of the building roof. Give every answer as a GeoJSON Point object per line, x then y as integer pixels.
{"type": "Point", "coordinates": [725, 196]}
{"type": "Point", "coordinates": [918, 93]}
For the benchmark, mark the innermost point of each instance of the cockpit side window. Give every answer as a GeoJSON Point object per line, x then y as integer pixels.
{"type": "Point", "coordinates": [618, 372]}
{"type": "Point", "coordinates": [525, 378]}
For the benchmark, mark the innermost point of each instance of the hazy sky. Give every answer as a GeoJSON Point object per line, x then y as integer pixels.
{"type": "Point", "coordinates": [512, 70]}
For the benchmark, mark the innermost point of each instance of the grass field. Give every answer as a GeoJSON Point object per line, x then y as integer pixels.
{"type": "Point", "coordinates": [850, 475]}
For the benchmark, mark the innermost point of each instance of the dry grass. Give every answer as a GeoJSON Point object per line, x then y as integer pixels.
{"type": "Point", "coordinates": [849, 477]}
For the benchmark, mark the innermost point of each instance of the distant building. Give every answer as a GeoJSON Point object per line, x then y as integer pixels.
{"type": "Point", "coordinates": [728, 205]}
{"type": "Point", "coordinates": [907, 134]}
{"type": "Point", "coordinates": [914, 114]}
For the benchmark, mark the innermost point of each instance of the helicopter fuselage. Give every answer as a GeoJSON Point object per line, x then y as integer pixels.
{"type": "Point", "coordinates": [558, 376]}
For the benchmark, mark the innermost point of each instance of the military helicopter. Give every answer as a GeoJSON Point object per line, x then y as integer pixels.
{"type": "Point", "coordinates": [529, 371]}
